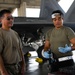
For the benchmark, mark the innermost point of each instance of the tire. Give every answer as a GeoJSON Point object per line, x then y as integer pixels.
{"type": "Point", "coordinates": [39, 52]}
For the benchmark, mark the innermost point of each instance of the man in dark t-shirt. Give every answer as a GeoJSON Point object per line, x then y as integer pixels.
{"type": "Point", "coordinates": [60, 40]}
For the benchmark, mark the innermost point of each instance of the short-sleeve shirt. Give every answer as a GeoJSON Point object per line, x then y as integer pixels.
{"type": "Point", "coordinates": [59, 38]}
{"type": "Point", "coordinates": [10, 46]}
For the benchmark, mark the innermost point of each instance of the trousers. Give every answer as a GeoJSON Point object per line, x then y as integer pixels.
{"type": "Point", "coordinates": [13, 69]}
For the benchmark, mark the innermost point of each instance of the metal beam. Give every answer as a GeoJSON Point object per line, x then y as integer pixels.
{"type": "Point", "coordinates": [33, 2]}
{"type": "Point", "coordinates": [9, 5]}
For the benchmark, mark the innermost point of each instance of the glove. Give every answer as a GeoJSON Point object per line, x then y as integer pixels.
{"type": "Point", "coordinates": [64, 49]}
{"type": "Point", "coordinates": [46, 54]}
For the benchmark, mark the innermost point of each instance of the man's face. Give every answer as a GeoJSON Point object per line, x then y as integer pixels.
{"type": "Point", "coordinates": [58, 21]}
{"type": "Point", "coordinates": [7, 20]}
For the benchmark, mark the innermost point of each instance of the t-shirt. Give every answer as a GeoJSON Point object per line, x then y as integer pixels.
{"type": "Point", "coordinates": [10, 46]}
{"type": "Point", "coordinates": [59, 38]}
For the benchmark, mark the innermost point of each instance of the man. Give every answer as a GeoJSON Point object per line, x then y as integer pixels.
{"type": "Point", "coordinates": [60, 40]}
{"type": "Point", "coordinates": [11, 56]}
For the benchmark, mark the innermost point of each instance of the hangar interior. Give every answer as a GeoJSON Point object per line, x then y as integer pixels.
{"type": "Point", "coordinates": [28, 27]}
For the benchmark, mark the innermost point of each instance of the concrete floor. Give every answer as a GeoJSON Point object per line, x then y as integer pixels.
{"type": "Point", "coordinates": [34, 68]}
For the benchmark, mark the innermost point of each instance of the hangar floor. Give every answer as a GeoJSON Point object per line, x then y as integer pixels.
{"type": "Point", "coordinates": [34, 68]}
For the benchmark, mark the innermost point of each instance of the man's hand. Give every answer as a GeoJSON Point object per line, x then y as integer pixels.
{"type": "Point", "coordinates": [4, 72]}
{"type": "Point", "coordinates": [64, 49]}
{"type": "Point", "coordinates": [23, 68]}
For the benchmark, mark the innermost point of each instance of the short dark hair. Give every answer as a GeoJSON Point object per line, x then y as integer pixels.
{"type": "Point", "coordinates": [2, 12]}
{"type": "Point", "coordinates": [58, 11]}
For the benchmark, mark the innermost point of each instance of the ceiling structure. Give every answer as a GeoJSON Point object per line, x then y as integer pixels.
{"type": "Point", "coordinates": [9, 4]}
{"type": "Point", "coordinates": [12, 4]}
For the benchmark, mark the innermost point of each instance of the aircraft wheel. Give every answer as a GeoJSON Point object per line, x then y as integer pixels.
{"type": "Point", "coordinates": [39, 52]}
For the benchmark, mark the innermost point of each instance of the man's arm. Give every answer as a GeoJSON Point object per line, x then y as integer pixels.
{"type": "Point", "coordinates": [71, 36]}
{"type": "Point", "coordinates": [23, 66]}
{"type": "Point", "coordinates": [73, 42]}
{"type": "Point", "coordinates": [68, 48]}
{"type": "Point", "coordinates": [46, 45]}
{"type": "Point", "coordinates": [2, 67]}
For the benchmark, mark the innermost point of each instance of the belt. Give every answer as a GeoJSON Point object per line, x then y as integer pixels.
{"type": "Point", "coordinates": [65, 58]}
